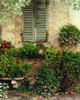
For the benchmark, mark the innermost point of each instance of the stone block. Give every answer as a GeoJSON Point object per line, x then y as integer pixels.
{"type": "Point", "coordinates": [53, 98]}
{"type": "Point", "coordinates": [69, 98]}
{"type": "Point", "coordinates": [13, 82]}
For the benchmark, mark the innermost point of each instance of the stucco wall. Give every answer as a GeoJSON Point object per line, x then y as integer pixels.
{"type": "Point", "coordinates": [57, 15]}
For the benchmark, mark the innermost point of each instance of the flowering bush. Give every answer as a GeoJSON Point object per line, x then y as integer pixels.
{"type": "Point", "coordinates": [69, 35]}
{"type": "Point", "coordinates": [66, 66]}
{"type": "Point", "coordinates": [61, 73]}
{"type": "Point", "coordinates": [6, 44]}
{"type": "Point", "coordinates": [13, 52]}
{"type": "Point", "coordinates": [46, 83]}
{"type": "Point", "coordinates": [3, 90]}
{"type": "Point", "coordinates": [11, 67]}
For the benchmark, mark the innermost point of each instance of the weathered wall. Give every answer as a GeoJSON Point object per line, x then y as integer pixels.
{"type": "Point", "coordinates": [57, 15]}
{"type": "Point", "coordinates": [11, 31]}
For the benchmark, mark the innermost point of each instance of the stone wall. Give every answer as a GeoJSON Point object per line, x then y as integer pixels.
{"type": "Point", "coordinates": [12, 29]}
{"type": "Point", "coordinates": [58, 14]}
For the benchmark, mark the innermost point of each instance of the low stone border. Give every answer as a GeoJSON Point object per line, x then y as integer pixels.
{"type": "Point", "coordinates": [16, 82]}
{"type": "Point", "coordinates": [66, 97]}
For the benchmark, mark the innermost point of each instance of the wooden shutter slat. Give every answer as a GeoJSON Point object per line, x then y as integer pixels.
{"type": "Point", "coordinates": [28, 23]}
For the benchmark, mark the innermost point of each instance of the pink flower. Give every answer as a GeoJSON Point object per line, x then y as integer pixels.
{"type": "Point", "coordinates": [70, 32]}
{"type": "Point", "coordinates": [74, 41]}
{"type": "Point", "coordinates": [70, 42]}
{"type": "Point", "coordinates": [56, 33]}
{"type": "Point", "coordinates": [3, 46]}
{"type": "Point", "coordinates": [46, 90]}
{"type": "Point", "coordinates": [45, 86]}
{"type": "Point", "coordinates": [38, 91]}
{"type": "Point", "coordinates": [54, 87]}
{"type": "Point", "coordinates": [66, 40]}
{"type": "Point", "coordinates": [41, 42]}
{"type": "Point", "coordinates": [78, 47]}
{"type": "Point", "coordinates": [4, 41]}
{"type": "Point", "coordinates": [35, 80]}
{"type": "Point", "coordinates": [59, 37]}
{"type": "Point", "coordinates": [66, 47]}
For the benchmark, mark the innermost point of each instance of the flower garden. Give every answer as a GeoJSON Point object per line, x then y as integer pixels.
{"type": "Point", "coordinates": [59, 72]}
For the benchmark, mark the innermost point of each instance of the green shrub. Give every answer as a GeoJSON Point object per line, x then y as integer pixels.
{"type": "Point", "coordinates": [28, 50]}
{"type": "Point", "coordinates": [69, 35]}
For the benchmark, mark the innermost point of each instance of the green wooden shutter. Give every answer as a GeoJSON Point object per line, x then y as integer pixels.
{"type": "Point", "coordinates": [28, 23]}
{"type": "Point", "coordinates": [34, 21]}
{"type": "Point", "coordinates": [40, 20]}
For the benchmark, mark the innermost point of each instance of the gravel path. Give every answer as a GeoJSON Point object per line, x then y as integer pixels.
{"type": "Point", "coordinates": [63, 97]}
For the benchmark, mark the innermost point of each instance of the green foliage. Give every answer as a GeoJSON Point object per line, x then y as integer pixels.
{"type": "Point", "coordinates": [25, 87]}
{"type": "Point", "coordinates": [28, 50]}
{"type": "Point", "coordinates": [75, 4]}
{"type": "Point", "coordinates": [69, 36]}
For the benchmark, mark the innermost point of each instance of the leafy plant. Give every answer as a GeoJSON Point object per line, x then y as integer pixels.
{"type": "Point", "coordinates": [28, 50]}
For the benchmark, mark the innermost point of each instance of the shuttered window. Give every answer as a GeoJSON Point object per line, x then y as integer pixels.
{"type": "Point", "coordinates": [34, 21]}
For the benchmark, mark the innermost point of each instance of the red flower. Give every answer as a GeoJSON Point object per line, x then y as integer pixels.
{"type": "Point", "coordinates": [47, 47]}
{"type": "Point", "coordinates": [8, 58]}
{"type": "Point", "coordinates": [13, 46]}
{"type": "Point", "coordinates": [3, 46]}
{"type": "Point", "coordinates": [7, 45]}
{"type": "Point", "coordinates": [20, 54]}
{"type": "Point", "coordinates": [14, 55]}
{"type": "Point", "coordinates": [71, 80]}
{"type": "Point", "coordinates": [19, 75]}
{"type": "Point", "coordinates": [11, 61]}
{"type": "Point", "coordinates": [51, 47]}
{"type": "Point", "coordinates": [66, 71]}
{"type": "Point", "coordinates": [77, 71]}
{"type": "Point", "coordinates": [41, 42]}
{"type": "Point", "coordinates": [69, 76]}
{"type": "Point", "coordinates": [79, 78]}
{"type": "Point", "coordinates": [4, 41]}
{"type": "Point", "coordinates": [10, 46]}
{"type": "Point", "coordinates": [3, 64]}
